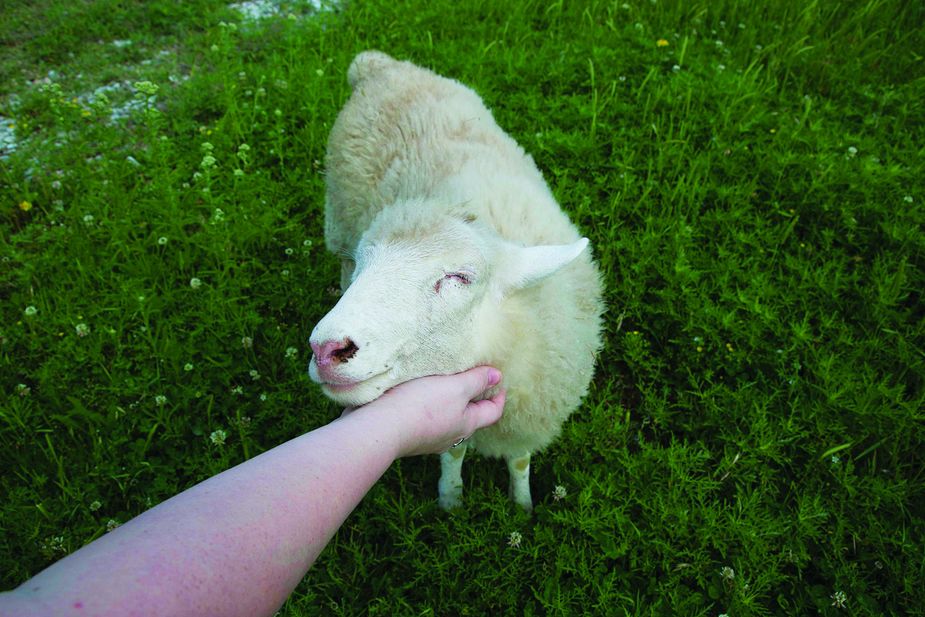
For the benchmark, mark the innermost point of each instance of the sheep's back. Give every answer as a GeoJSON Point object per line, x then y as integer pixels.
{"type": "Point", "coordinates": [407, 133]}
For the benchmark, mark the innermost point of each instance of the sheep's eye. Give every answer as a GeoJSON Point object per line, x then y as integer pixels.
{"type": "Point", "coordinates": [460, 277]}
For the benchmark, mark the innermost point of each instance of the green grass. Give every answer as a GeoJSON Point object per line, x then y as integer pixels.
{"type": "Point", "coordinates": [753, 189]}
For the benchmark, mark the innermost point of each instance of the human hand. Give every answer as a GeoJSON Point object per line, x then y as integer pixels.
{"type": "Point", "coordinates": [429, 414]}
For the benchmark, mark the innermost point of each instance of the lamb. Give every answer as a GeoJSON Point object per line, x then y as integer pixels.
{"type": "Point", "coordinates": [454, 253]}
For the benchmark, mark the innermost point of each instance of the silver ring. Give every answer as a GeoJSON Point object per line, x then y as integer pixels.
{"type": "Point", "coordinates": [458, 442]}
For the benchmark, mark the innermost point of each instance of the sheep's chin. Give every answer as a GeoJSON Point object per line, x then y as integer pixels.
{"type": "Point", "coordinates": [359, 393]}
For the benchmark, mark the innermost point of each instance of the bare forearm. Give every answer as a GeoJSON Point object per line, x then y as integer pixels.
{"type": "Point", "coordinates": [236, 544]}
{"type": "Point", "coordinates": [239, 543]}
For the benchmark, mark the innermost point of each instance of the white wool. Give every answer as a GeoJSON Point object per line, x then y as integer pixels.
{"type": "Point", "coordinates": [454, 254]}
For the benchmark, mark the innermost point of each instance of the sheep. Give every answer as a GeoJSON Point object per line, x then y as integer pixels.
{"type": "Point", "coordinates": [454, 253]}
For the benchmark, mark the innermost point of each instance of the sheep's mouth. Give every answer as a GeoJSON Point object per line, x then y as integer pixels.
{"type": "Point", "coordinates": [341, 387]}
{"type": "Point", "coordinates": [338, 387]}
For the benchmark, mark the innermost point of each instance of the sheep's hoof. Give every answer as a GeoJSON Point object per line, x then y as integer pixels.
{"type": "Point", "coordinates": [519, 493]}
{"type": "Point", "coordinates": [527, 506]}
{"type": "Point", "coordinates": [525, 503]}
{"type": "Point", "coordinates": [450, 494]}
{"type": "Point", "coordinates": [450, 501]}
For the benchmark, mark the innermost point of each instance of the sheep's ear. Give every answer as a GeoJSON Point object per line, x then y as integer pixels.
{"type": "Point", "coordinates": [527, 266]}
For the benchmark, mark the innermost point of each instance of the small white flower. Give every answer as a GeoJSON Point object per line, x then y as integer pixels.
{"type": "Point", "coordinates": [559, 493]}
{"type": "Point", "coordinates": [237, 390]}
{"type": "Point", "coordinates": [160, 400]}
{"type": "Point", "coordinates": [308, 243]}
{"type": "Point", "coordinates": [88, 219]}
{"type": "Point", "coordinates": [30, 311]}
{"type": "Point", "coordinates": [263, 397]}
{"type": "Point", "coordinates": [214, 48]}
{"type": "Point", "coordinates": [95, 505]}
{"type": "Point", "coordinates": [188, 367]}
{"type": "Point", "coordinates": [719, 43]}
{"type": "Point", "coordinates": [291, 353]}
{"type": "Point", "coordinates": [839, 599]}
{"type": "Point", "coordinates": [908, 199]}
{"type": "Point", "coordinates": [218, 437]}
{"type": "Point", "coordinates": [82, 329]}
{"type": "Point", "coordinates": [852, 152]}
{"type": "Point", "coordinates": [514, 539]}
{"type": "Point", "coordinates": [319, 72]}
{"type": "Point", "coordinates": [218, 216]}
{"type": "Point", "coordinates": [835, 459]}
{"type": "Point", "coordinates": [238, 173]}
{"type": "Point", "coordinates": [721, 67]}
{"type": "Point", "coordinates": [133, 161]}
{"type": "Point", "coordinates": [162, 240]}
{"type": "Point", "coordinates": [23, 390]}
{"type": "Point", "coordinates": [727, 573]}
{"type": "Point", "coordinates": [195, 283]}
{"type": "Point", "coordinates": [254, 375]}
{"type": "Point", "coordinates": [56, 185]}
{"type": "Point", "coordinates": [112, 524]}
{"type": "Point", "coordinates": [247, 342]}
{"type": "Point", "coordinates": [289, 251]}
{"type": "Point", "coordinates": [676, 68]}
{"type": "Point", "coordinates": [285, 273]}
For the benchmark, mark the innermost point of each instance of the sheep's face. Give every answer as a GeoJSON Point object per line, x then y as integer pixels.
{"type": "Point", "coordinates": [416, 306]}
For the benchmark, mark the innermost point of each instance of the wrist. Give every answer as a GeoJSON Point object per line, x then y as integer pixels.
{"type": "Point", "coordinates": [374, 427]}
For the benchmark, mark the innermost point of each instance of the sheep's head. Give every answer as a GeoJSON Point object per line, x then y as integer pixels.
{"type": "Point", "coordinates": [417, 302]}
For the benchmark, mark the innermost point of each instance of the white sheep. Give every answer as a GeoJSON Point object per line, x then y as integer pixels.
{"type": "Point", "coordinates": [454, 254]}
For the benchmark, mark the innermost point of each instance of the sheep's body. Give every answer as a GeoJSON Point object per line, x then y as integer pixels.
{"type": "Point", "coordinates": [412, 150]}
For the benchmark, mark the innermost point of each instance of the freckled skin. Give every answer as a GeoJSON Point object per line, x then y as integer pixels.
{"type": "Point", "coordinates": [237, 544]}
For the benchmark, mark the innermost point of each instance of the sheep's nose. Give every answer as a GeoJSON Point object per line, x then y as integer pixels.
{"type": "Point", "coordinates": [332, 353]}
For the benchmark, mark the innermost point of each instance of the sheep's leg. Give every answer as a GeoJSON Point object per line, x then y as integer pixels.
{"type": "Point", "coordinates": [450, 487]}
{"type": "Point", "coordinates": [519, 486]}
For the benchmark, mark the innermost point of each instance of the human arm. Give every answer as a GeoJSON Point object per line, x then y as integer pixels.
{"type": "Point", "coordinates": [239, 542]}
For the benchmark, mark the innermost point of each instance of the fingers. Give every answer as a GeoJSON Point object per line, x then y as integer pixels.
{"type": "Point", "coordinates": [487, 412]}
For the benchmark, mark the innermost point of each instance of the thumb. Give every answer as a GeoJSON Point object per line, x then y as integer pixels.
{"type": "Point", "coordinates": [479, 379]}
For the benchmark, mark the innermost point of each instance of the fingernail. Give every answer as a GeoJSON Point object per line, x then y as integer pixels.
{"type": "Point", "coordinates": [494, 377]}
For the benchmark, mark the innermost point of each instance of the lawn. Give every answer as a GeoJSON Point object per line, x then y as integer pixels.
{"type": "Point", "coordinates": [752, 179]}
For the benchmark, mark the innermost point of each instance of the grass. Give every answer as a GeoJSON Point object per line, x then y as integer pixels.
{"type": "Point", "coordinates": [753, 190]}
